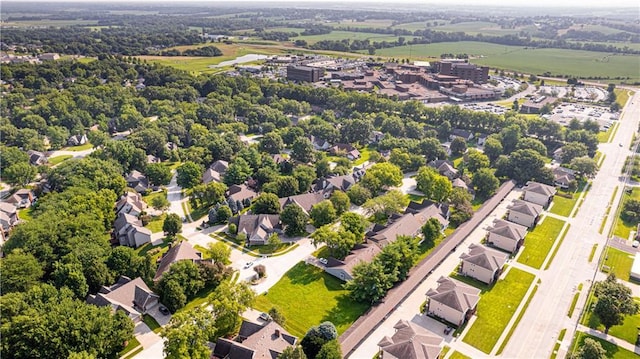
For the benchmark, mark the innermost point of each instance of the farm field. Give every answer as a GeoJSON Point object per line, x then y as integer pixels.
{"type": "Point", "coordinates": [48, 23]}
{"type": "Point", "coordinates": [476, 27]}
{"type": "Point", "coordinates": [377, 23]}
{"type": "Point", "coordinates": [351, 35]}
{"type": "Point", "coordinates": [536, 61]}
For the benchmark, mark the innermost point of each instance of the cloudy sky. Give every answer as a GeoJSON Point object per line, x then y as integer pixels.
{"type": "Point", "coordinates": [509, 3]}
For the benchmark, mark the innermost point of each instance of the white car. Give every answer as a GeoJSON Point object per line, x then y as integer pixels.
{"type": "Point", "coordinates": [323, 260]}
{"type": "Point", "coordinates": [635, 244]}
{"type": "Point", "coordinates": [248, 265]}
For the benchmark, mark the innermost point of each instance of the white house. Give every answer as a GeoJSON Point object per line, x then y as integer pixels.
{"type": "Point", "coordinates": [452, 301]}
{"type": "Point", "coordinates": [524, 213]}
{"type": "Point", "coordinates": [506, 235]}
{"type": "Point", "coordinates": [539, 193]}
{"type": "Point", "coordinates": [482, 263]}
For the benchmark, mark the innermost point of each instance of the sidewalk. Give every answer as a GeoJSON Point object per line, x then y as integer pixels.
{"type": "Point", "coordinates": [619, 342]}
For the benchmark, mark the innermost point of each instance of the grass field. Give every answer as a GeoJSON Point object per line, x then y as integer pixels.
{"type": "Point", "coordinates": [373, 23]}
{"type": "Point", "coordinates": [538, 242]}
{"type": "Point", "coordinates": [619, 262]}
{"type": "Point", "coordinates": [48, 23]}
{"type": "Point", "coordinates": [151, 323]}
{"type": "Point", "coordinates": [458, 355]}
{"type": "Point", "coordinates": [58, 159]}
{"type": "Point", "coordinates": [535, 61]}
{"type": "Point", "coordinates": [481, 27]}
{"type": "Point", "coordinates": [319, 297]}
{"type": "Point", "coordinates": [155, 225]}
{"type": "Point", "coordinates": [132, 343]}
{"type": "Point", "coordinates": [86, 146]}
{"type": "Point", "coordinates": [148, 199]}
{"type": "Point", "coordinates": [562, 206]}
{"type": "Point", "coordinates": [25, 214]}
{"type": "Point", "coordinates": [351, 35]}
{"type": "Point", "coordinates": [623, 228]}
{"type": "Point", "coordinates": [613, 351]}
{"type": "Point", "coordinates": [495, 309]}
{"type": "Point", "coordinates": [628, 331]}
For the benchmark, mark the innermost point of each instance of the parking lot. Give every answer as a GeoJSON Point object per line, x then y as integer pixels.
{"type": "Point", "coordinates": [565, 112]}
{"type": "Point", "coordinates": [486, 107]}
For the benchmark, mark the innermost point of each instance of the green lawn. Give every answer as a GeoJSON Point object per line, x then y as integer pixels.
{"type": "Point", "coordinates": [538, 242]}
{"type": "Point", "coordinates": [619, 262]}
{"type": "Point", "coordinates": [151, 323]}
{"type": "Point", "coordinates": [613, 351]}
{"type": "Point", "coordinates": [365, 153]}
{"type": "Point", "coordinates": [458, 355]}
{"type": "Point", "coordinates": [133, 342]}
{"type": "Point", "coordinates": [197, 213]}
{"type": "Point", "coordinates": [603, 136]}
{"type": "Point", "coordinates": [148, 199]}
{"type": "Point", "coordinates": [25, 214]}
{"type": "Point", "coordinates": [307, 296]}
{"type": "Point", "coordinates": [84, 147]}
{"type": "Point", "coordinates": [495, 309]}
{"type": "Point", "coordinates": [425, 248]}
{"type": "Point", "coordinates": [628, 331]}
{"type": "Point", "coordinates": [622, 96]}
{"type": "Point", "coordinates": [58, 159]}
{"type": "Point", "coordinates": [156, 223]}
{"type": "Point", "coordinates": [562, 206]}
{"type": "Point", "coordinates": [529, 60]}
{"type": "Point", "coordinates": [623, 228]}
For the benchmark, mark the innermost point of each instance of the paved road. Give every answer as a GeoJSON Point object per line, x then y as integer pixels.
{"type": "Point", "coordinates": [536, 336]}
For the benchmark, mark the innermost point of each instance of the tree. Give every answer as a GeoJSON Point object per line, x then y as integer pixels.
{"type": "Point", "coordinates": [220, 252]}
{"type": "Point", "coordinates": [354, 223]}
{"type": "Point", "coordinates": [398, 257]}
{"type": "Point", "coordinates": [223, 214]}
{"type": "Point", "coordinates": [172, 224]}
{"type": "Point", "coordinates": [591, 349]}
{"type": "Point", "coordinates": [532, 143]}
{"type": "Point", "coordinates": [305, 176]}
{"type": "Point", "coordinates": [615, 300]}
{"type": "Point", "coordinates": [277, 316]}
{"type": "Point", "coordinates": [188, 334]}
{"type": "Point", "coordinates": [431, 230]}
{"type": "Point", "coordinates": [322, 213]}
{"type": "Point", "coordinates": [189, 175]}
{"type": "Point", "coordinates": [369, 283]}
{"type": "Point", "coordinates": [340, 201]}
{"type": "Point", "coordinates": [70, 275]}
{"type": "Point", "coordinates": [228, 302]}
{"type": "Point", "coordinates": [584, 165]}
{"type": "Point", "coordinates": [434, 185]}
{"type": "Point", "coordinates": [330, 350]}
{"type": "Point", "coordinates": [283, 186]}
{"type": "Point", "coordinates": [476, 160]}
{"type": "Point", "coordinates": [266, 203]}
{"type": "Point", "coordinates": [485, 183]}
{"type": "Point", "coordinates": [294, 219]}
{"type": "Point", "coordinates": [292, 352]}
{"type": "Point", "coordinates": [458, 146]}
{"type": "Point", "coordinates": [274, 240]}
{"type": "Point", "coordinates": [158, 174]}
{"type": "Point", "coordinates": [126, 261]}
{"type": "Point", "coordinates": [271, 143]}
{"type": "Point", "coordinates": [316, 337]}
{"type": "Point", "coordinates": [573, 150]}
{"type": "Point", "coordinates": [509, 137]}
{"type": "Point", "coordinates": [522, 166]}
{"type": "Point", "coordinates": [20, 272]}
{"type": "Point", "coordinates": [19, 174]}
{"type": "Point", "coordinates": [387, 204]}
{"type": "Point", "coordinates": [492, 148]}
{"type": "Point", "coordinates": [238, 172]}
{"type": "Point", "coordinates": [173, 295]}
{"type": "Point", "coordinates": [382, 175]}
{"type": "Point", "coordinates": [358, 194]}
{"type": "Point", "coordinates": [160, 202]}
{"type": "Point", "coordinates": [260, 270]}
{"type": "Point", "coordinates": [302, 150]}
{"type": "Point", "coordinates": [338, 242]}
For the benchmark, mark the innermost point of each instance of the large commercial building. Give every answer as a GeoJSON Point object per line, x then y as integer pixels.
{"type": "Point", "coordinates": [463, 70]}
{"type": "Point", "coordinates": [304, 73]}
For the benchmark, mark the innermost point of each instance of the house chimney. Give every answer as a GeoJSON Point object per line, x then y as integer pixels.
{"type": "Point", "coordinates": [277, 333]}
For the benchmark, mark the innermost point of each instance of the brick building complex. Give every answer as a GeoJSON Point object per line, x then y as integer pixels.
{"type": "Point", "coordinates": [304, 73]}
{"type": "Point", "coordinates": [463, 70]}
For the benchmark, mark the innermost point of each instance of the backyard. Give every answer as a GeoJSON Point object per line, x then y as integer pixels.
{"type": "Point", "coordinates": [538, 242]}
{"type": "Point", "coordinates": [495, 309]}
{"type": "Point", "coordinates": [628, 331]}
{"type": "Point", "coordinates": [619, 262]}
{"type": "Point", "coordinates": [316, 297]}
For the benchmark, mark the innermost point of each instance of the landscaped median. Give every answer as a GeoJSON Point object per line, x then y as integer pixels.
{"type": "Point", "coordinates": [538, 242]}
{"type": "Point", "coordinates": [495, 309]}
{"type": "Point", "coordinates": [308, 296]}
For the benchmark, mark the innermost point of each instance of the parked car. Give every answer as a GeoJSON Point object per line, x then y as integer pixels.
{"type": "Point", "coordinates": [164, 310]}
{"type": "Point", "coordinates": [323, 260]}
{"type": "Point", "coordinates": [248, 265]}
{"type": "Point", "coordinates": [447, 330]}
{"type": "Point", "coordinates": [635, 244]}
{"type": "Point", "coordinates": [264, 316]}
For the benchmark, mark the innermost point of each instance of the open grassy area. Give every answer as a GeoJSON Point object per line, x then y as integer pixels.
{"type": "Point", "coordinates": [623, 228]}
{"type": "Point", "coordinates": [365, 153]}
{"type": "Point", "coordinates": [148, 199]}
{"type": "Point", "coordinates": [480, 27]}
{"type": "Point", "coordinates": [622, 95]}
{"type": "Point", "coordinates": [538, 242]}
{"type": "Point", "coordinates": [155, 225]}
{"type": "Point", "coordinates": [25, 214]}
{"type": "Point", "coordinates": [458, 355]}
{"type": "Point", "coordinates": [619, 262]}
{"type": "Point", "coordinates": [351, 35]}
{"type": "Point", "coordinates": [558, 342]}
{"type": "Point", "coordinates": [58, 159]}
{"type": "Point", "coordinates": [604, 136]}
{"type": "Point", "coordinates": [151, 323]}
{"type": "Point", "coordinates": [131, 344]}
{"type": "Point", "coordinates": [613, 351]}
{"type": "Point", "coordinates": [48, 23]}
{"type": "Point", "coordinates": [495, 309]}
{"type": "Point", "coordinates": [628, 331]}
{"type": "Point", "coordinates": [536, 61]}
{"type": "Point", "coordinates": [86, 146]}
{"type": "Point", "coordinates": [555, 250]}
{"type": "Point", "coordinates": [515, 324]}
{"type": "Point", "coordinates": [319, 297]}
{"type": "Point", "coordinates": [562, 206]}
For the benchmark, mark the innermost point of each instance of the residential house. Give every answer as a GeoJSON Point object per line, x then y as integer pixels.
{"type": "Point", "coordinates": [220, 166]}
{"type": "Point", "coordinates": [343, 269]}
{"type": "Point", "coordinates": [445, 168]}
{"type": "Point", "coordinates": [153, 159]}
{"type": "Point", "coordinates": [137, 181]}
{"type": "Point", "coordinates": [22, 198]}
{"type": "Point", "coordinates": [215, 172]}
{"type": "Point", "coordinates": [506, 235]}
{"type": "Point", "coordinates": [327, 185]}
{"type": "Point", "coordinates": [305, 200]}
{"type": "Point", "coordinates": [452, 301]}
{"type": "Point", "coordinates": [255, 341]}
{"type": "Point", "coordinates": [408, 224]}
{"type": "Point", "coordinates": [376, 136]}
{"type": "Point", "coordinates": [482, 263]}
{"type": "Point", "coordinates": [427, 209]}
{"type": "Point", "coordinates": [257, 227]}
{"type": "Point", "coordinates": [183, 251]}
{"type": "Point", "coordinates": [345, 149]}
{"type": "Point", "coordinates": [446, 147]}
{"type": "Point", "coordinates": [557, 154]}
{"type": "Point", "coordinates": [524, 213]}
{"type": "Point", "coordinates": [563, 177]}
{"type": "Point", "coordinates": [132, 296]}
{"type": "Point", "coordinates": [8, 216]}
{"type": "Point", "coordinates": [129, 231]}
{"type": "Point", "coordinates": [131, 203]}
{"type": "Point", "coordinates": [539, 193]}
{"type": "Point", "coordinates": [319, 144]}
{"type": "Point", "coordinates": [77, 140]}
{"type": "Point", "coordinates": [482, 138]}
{"type": "Point", "coordinates": [460, 183]}
{"type": "Point", "coordinates": [241, 192]}
{"type": "Point", "coordinates": [464, 134]}
{"type": "Point", "coordinates": [410, 341]}
{"type": "Point", "coordinates": [37, 158]}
